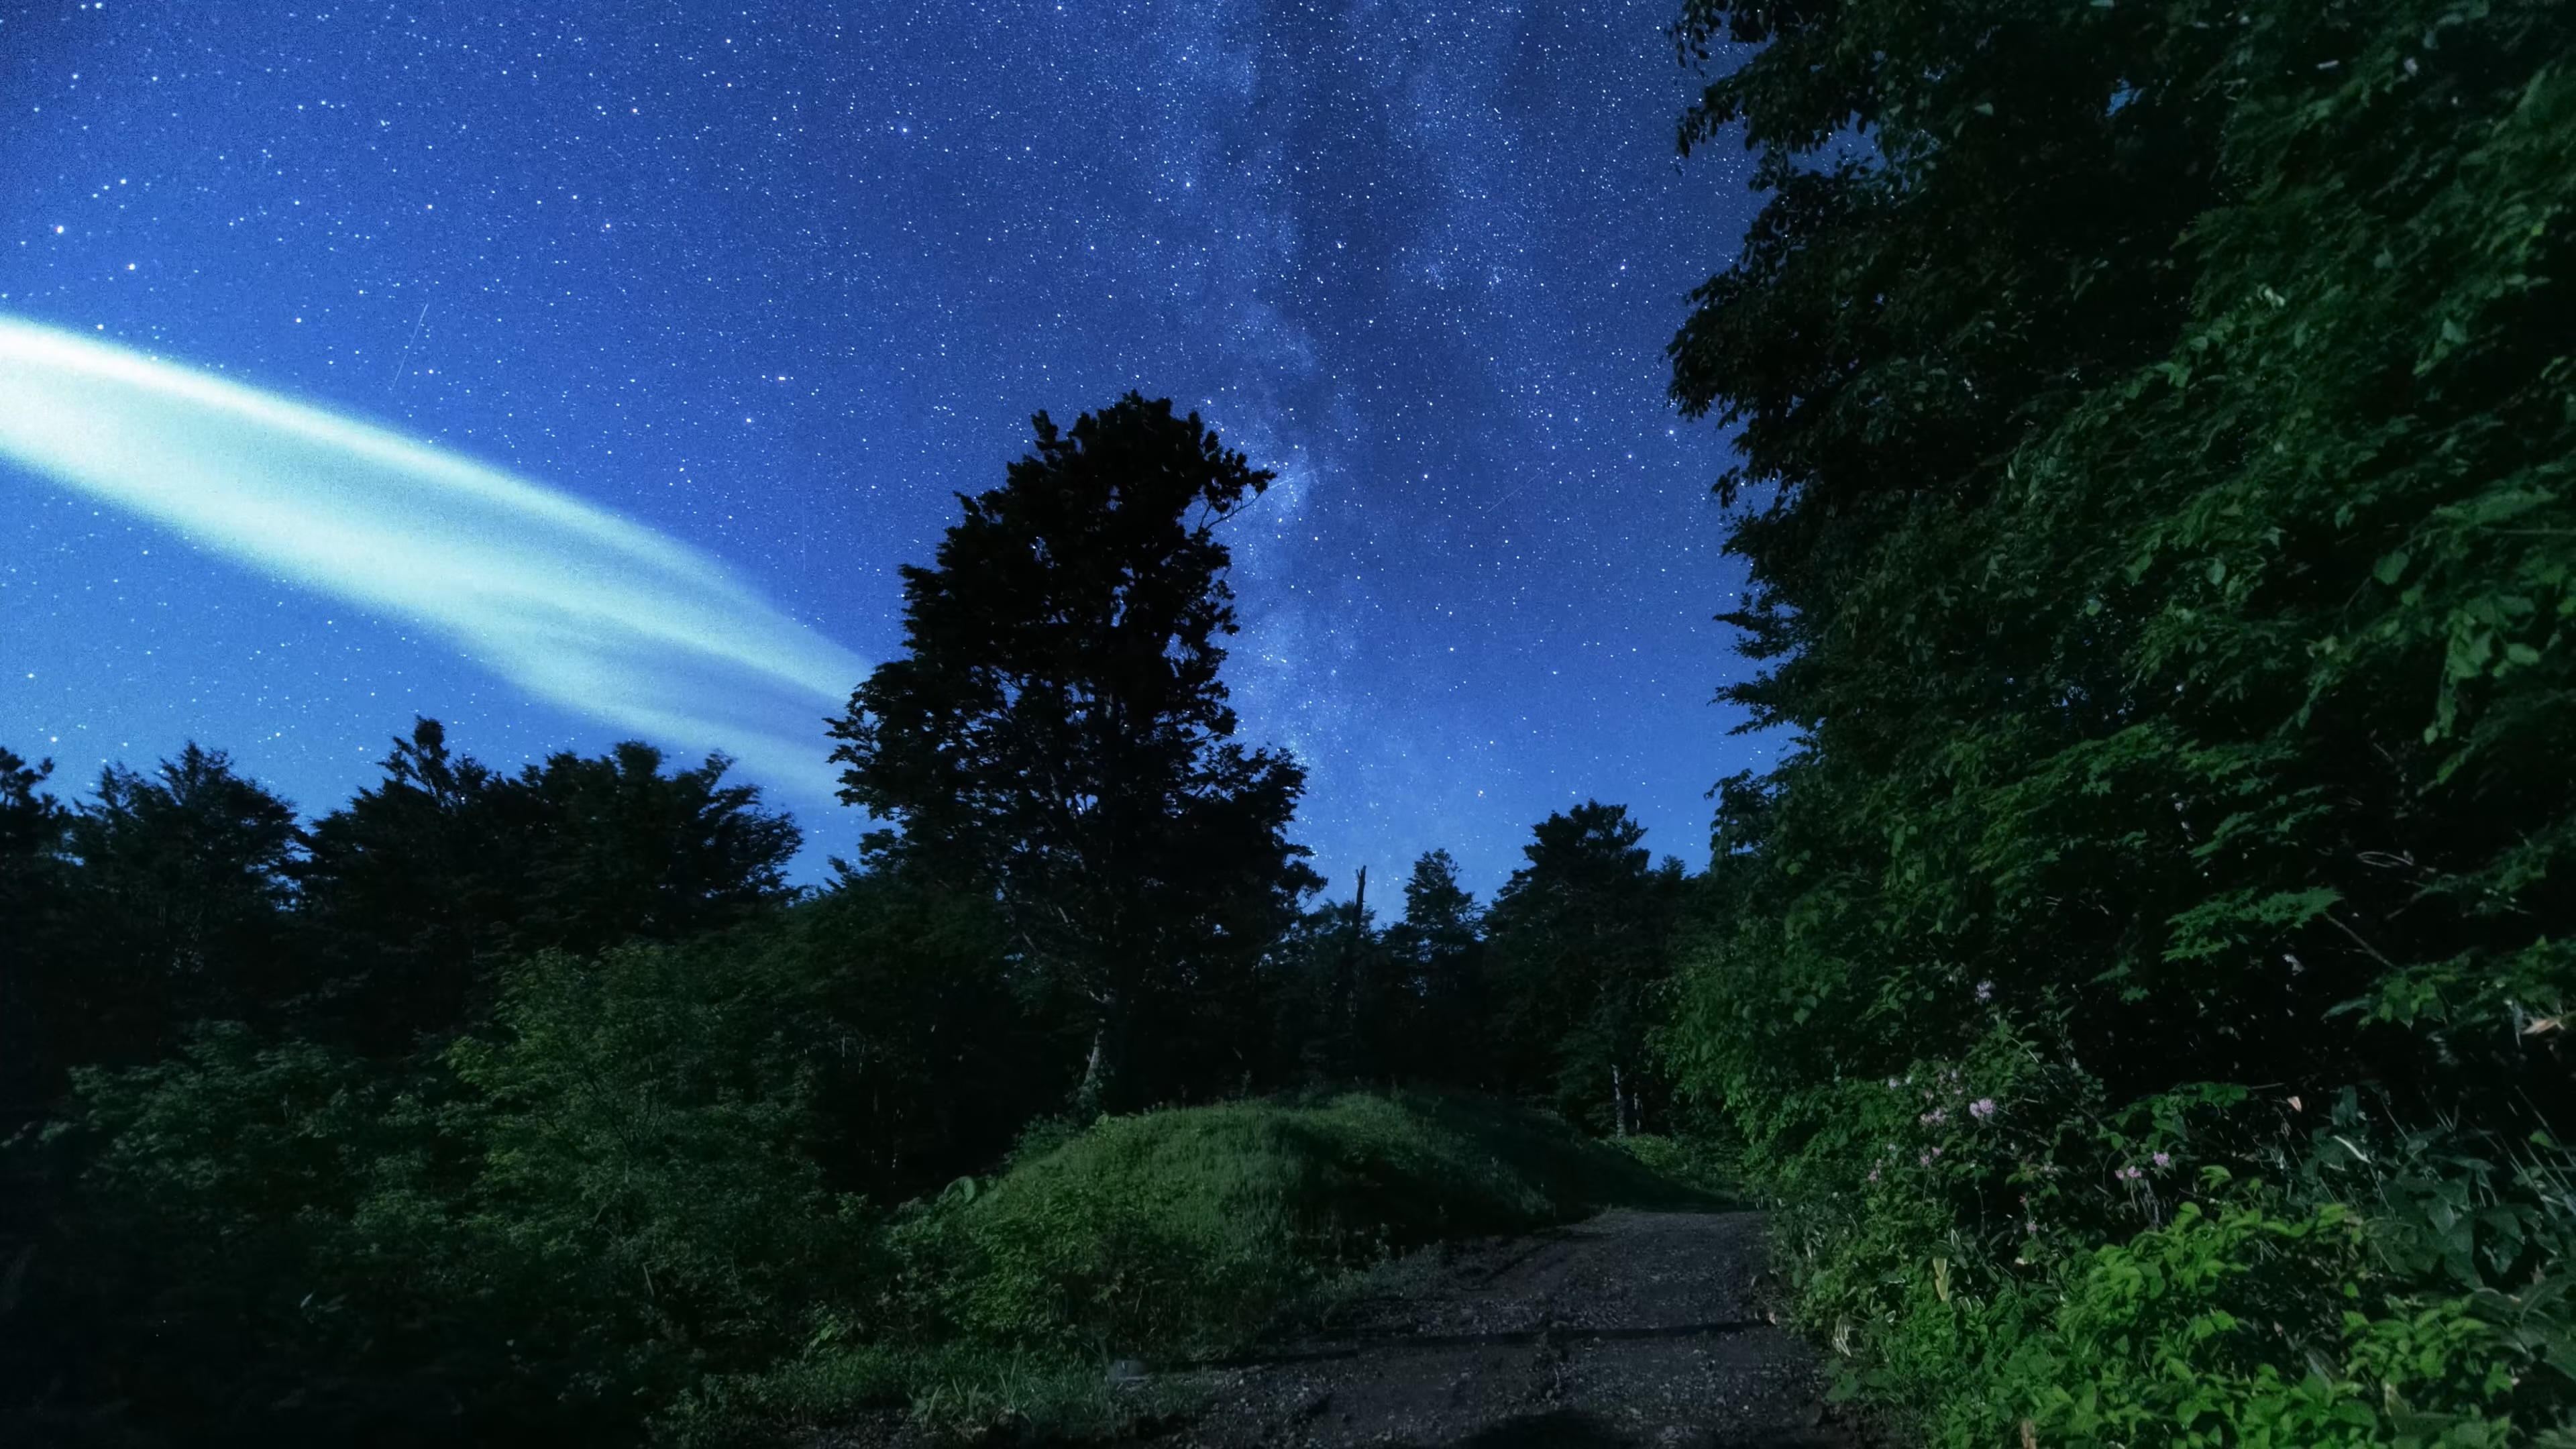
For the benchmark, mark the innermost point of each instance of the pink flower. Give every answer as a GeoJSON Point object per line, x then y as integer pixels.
{"type": "Point", "coordinates": [2130, 1174]}
{"type": "Point", "coordinates": [1985, 991]}
{"type": "Point", "coordinates": [2163, 1161]}
{"type": "Point", "coordinates": [1873, 1174]}
{"type": "Point", "coordinates": [1935, 1117]}
{"type": "Point", "coordinates": [1982, 1108]}
{"type": "Point", "coordinates": [1925, 1160]}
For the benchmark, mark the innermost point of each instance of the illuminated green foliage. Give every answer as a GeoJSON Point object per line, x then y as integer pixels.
{"type": "Point", "coordinates": [2156, 426]}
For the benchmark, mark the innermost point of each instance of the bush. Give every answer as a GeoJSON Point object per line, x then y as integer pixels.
{"type": "Point", "coordinates": [648, 1207]}
{"type": "Point", "coordinates": [263, 1247]}
{"type": "Point", "coordinates": [547, 1233]}
{"type": "Point", "coordinates": [2247, 1319]}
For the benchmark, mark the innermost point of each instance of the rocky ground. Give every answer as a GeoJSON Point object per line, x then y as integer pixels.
{"type": "Point", "coordinates": [1632, 1328]}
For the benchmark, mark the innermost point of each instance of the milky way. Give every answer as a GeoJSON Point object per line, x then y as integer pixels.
{"type": "Point", "coordinates": [777, 285]}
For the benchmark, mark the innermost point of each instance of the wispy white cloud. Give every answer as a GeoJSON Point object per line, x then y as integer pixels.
{"type": "Point", "coordinates": [578, 606]}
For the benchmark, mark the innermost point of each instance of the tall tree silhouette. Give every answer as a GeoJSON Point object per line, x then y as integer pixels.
{"type": "Point", "coordinates": [1439, 949]}
{"type": "Point", "coordinates": [410, 883]}
{"type": "Point", "coordinates": [1056, 733]}
{"type": "Point", "coordinates": [1580, 936]}
{"type": "Point", "coordinates": [177, 908]}
{"type": "Point", "coordinates": [627, 852]}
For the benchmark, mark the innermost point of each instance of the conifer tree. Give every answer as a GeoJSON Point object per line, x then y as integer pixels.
{"type": "Point", "coordinates": [1579, 940]}
{"type": "Point", "coordinates": [1438, 948]}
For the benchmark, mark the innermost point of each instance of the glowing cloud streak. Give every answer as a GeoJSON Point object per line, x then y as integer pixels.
{"type": "Point", "coordinates": [578, 606]}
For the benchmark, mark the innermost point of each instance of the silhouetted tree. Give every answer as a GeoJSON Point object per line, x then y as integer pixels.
{"type": "Point", "coordinates": [425, 880]}
{"type": "Point", "coordinates": [178, 903]}
{"type": "Point", "coordinates": [32, 826]}
{"type": "Point", "coordinates": [1341, 996]}
{"type": "Point", "coordinates": [411, 883]}
{"type": "Point", "coordinates": [1580, 938]}
{"type": "Point", "coordinates": [625, 852]}
{"type": "Point", "coordinates": [1056, 734]}
{"type": "Point", "coordinates": [931, 1049]}
{"type": "Point", "coordinates": [1440, 954]}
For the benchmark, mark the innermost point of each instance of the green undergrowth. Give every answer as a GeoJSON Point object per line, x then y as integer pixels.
{"type": "Point", "coordinates": [1696, 1162]}
{"type": "Point", "coordinates": [2384, 1287]}
{"type": "Point", "coordinates": [1169, 1236]}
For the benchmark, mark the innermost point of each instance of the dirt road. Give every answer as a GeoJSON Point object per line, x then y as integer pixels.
{"type": "Point", "coordinates": [1630, 1329]}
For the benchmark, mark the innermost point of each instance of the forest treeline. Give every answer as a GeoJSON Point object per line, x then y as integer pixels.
{"type": "Point", "coordinates": [2143, 986]}
{"type": "Point", "coordinates": [495, 1106]}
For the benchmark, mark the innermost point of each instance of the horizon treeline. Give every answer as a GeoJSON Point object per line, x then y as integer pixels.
{"type": "Point", "coordinates": [525, 1105]}
{"type": "Point", "coordinates": [189, 894]}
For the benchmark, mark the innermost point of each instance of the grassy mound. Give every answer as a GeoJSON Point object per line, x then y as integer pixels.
{"type": "Point", "coordinates": [1174, 1234]}
{"type": "Point", "coordinates": [1178, 1232]}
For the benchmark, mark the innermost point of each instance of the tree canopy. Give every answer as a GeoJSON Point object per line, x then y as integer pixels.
{"type": "Point", "coordinates": [420, 885]}
{"type": "Point", "coordinates": [1056, 732]}
{"type": "Point", "coordinates": [1580, 946]}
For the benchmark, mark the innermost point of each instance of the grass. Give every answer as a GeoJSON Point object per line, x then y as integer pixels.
{"type": "Point", "coordinates": [1690, 1161]}
{"type": "Point", "coordinates": [1172, 1235]}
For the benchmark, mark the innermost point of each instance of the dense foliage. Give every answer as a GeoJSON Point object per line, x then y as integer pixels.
{"type": "Point", "coordinates": [1581, 939]}
{"type": "Point", "coordinates": [534, 1107]}
{"type": "Point", "coordinates": [2144, 983]}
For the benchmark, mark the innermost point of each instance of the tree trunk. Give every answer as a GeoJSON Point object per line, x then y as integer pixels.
{"type": "Point", "coordinates": [1086, 1098]}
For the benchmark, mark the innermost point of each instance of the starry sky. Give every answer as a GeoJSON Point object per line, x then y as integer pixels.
{"type": "Point", "coordinates": [775, 282]}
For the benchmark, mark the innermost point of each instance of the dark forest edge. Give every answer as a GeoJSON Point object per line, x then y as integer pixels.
{"type": "Point", "coordinates": [2143, 988]}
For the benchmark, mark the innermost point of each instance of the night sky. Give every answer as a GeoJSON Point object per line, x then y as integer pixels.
{"type": "Point", "coordinates": [775, 284]}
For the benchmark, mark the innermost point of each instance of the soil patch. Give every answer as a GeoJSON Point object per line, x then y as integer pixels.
{"type": "Point", "coordinates": [1631, 1328]}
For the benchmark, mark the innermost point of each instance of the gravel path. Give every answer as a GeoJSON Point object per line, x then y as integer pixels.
{"type": "Point", "coordinates": [1631, 1328]}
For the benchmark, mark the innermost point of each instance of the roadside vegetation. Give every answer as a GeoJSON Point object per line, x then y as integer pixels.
{"type": "Point", "coordinates": [2142, 988]}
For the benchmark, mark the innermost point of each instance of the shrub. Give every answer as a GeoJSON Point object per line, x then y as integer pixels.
{"type": "Point", "coordinates": [648, 1208]}
{"type": "Point", "coordinates": [547, 1233]}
